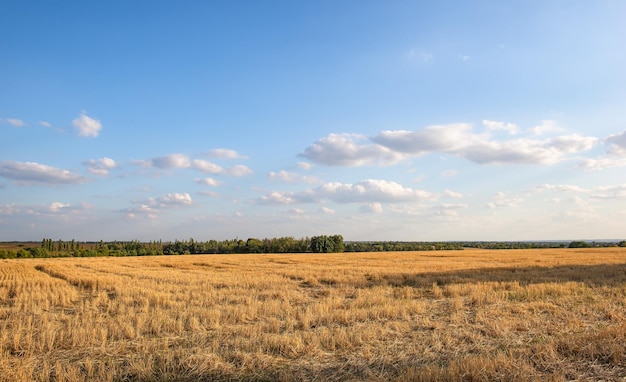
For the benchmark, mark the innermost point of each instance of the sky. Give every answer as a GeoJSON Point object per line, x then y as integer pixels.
{"type": "Point", "coordinates": [376, 120]}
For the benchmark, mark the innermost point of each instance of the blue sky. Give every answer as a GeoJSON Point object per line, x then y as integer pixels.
{"type": "Point", "coordinates": [375, 120]}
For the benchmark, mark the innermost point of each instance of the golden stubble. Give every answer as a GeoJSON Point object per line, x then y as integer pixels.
{"type": "Point", "coordinates": [548, 314]}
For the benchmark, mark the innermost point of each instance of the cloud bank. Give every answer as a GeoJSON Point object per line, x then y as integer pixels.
{"type": "Point", "coordinates": [366, 191]}
{"type": "Point", "coordinates": [391, 146]}
{"type": "Point", "coordinates": [183, 161]}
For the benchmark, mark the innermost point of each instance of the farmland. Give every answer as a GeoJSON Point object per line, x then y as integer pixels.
{"type": "Point", "coordinates": [540, 314]}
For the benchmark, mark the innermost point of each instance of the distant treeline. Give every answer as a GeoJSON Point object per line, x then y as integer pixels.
{"type": "Point", "coordinates": [379, 246]}
{"type": "Point", "coordinates": [388, 246]}
{"type": "Point", "coordinates": [541, 244]}
{"type": "Point", "coordinates": [73, 248]}
{"type": "Point", "coordinates": [315, 244]}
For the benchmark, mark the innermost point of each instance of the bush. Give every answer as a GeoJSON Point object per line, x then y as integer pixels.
{"type": "Point", "coordinates": [7, 254]}
{"type": "Point", "coordinates": [24, 254]}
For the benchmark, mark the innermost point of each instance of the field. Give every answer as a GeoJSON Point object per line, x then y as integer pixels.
{"type": "Point", "coordinates": [549, 314]}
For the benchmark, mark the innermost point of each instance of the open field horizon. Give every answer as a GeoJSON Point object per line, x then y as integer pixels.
{"type": "Point", "coordinates": [540, 314]}
{"type": "Point", "coordinates": [326, 133]}
{"type": "Point", "coordinates": [282, 245]}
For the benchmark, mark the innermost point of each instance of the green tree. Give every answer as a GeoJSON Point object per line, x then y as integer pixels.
{"type": "Point", "coordinates": [338, 245]}
{"type": "Point", "coordinates": [254, 245]}
{"type": "Point", "coordinates": [327, 244]}
{"type": "Point", "coordinates": [579, 244]}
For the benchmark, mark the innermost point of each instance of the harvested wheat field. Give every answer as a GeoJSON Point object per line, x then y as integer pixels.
{"type": "Point", "coordinates": [548, 314]}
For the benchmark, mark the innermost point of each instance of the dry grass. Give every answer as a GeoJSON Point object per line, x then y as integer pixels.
{"type": "Point", "coordinates": [550, 314]}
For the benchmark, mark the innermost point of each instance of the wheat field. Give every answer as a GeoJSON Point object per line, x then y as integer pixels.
{"type": "Point", "coordinates": [545, 314]}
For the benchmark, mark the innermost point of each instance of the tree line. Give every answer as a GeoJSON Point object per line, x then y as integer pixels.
{"type": "Point", "coordinates": [387, 246]}
{"type": "Point", "coordinates": [541, 244]}
{"type": "Point", "coordinates": [73, 248]}
{"type": "Point", "coordinates": [315, 244]}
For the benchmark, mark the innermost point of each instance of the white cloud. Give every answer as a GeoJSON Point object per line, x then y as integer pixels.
{"type": "Point", "coordinates": [511, 128]}
{"type": "Point", "coordinates": [45, 124]}
{"type": "Point", "coordinates": [458, 139]}
{"type": "Point", "coordinates": [617, 143]}
{"type": "Point", "coordinates": [171, 161]}
{"type": "Point", "coordinates": [375, 208]}
{"type": "Point", "coordinates": [279, 198]}
{"type": "Point", "coordinates": [451, 206]}
{"type": "Point", "coordinates": [239, 170]}
{"type": "Point", "coordinates": [224, 154]}
{"type": "Point", "coordinates": [87, 126]}
{"type": "Point", "coordinates": [582, 203]}
{"type": "Point", "coordinates": [447, 212]}
{"type": "Point", "coordinates": [57, 211]}
{"type": "Point", "coordinates": [327, 211]}
{"type": "Point", "coordinates": [526, 150]}
{"type": "Point", "coordinates": [305, 165]}
{"type": "Point", "coordinates": [574, 143]}
{"type": "Point", "coordinates": [283, 175]}
{"type": "Point", "coordinates": [371, 190]}
{"type": "Point", "coordinates": [15, 122]}
{"type": "Point", "coordinates": [451, 194]}
{"type": "Point", "coordinates": [592, 164]}
{"type": "Point", "coordinates": [343, 150]}
{"type": "Point", "coordinates": [31, 172]}
{"type": "Point", "coordinates": [366, 191]}
{"type": "Point", "coordinates": [209, 182]}
{"type": "Point", "coordinates": [546, 126]}
{"type": "Point", "coordinates": [151, 208]}
{"type": "Point", "coordinates": [174, 199]}
{"type": "Point", "coordinates": [441, 138]}
{"type": "Point", "coordinates": [610, 192]}
{"type": "Point", "coordinates": [616, 154]}
{"type": "Point", "coordinates": [559, 187]}
{"type": "Point", "coordinates": [614, 192]}
{"type": "Point", "coordinates": [206, 166]}
{"type": "Point", "coordinates": [514, 151]}
{"type": "Point", "coordinates": [100, 166]}
{"type": "Point", "coordinates": [292, 177]}
{"type": "Point", "coordinates": [501, 199]}
{"type": "Point", "coordinates": [144, 210]}
{"type": "Point", "coordinates": [174, 161]}
{"type": "Point", "coordinates": [57, 206]}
